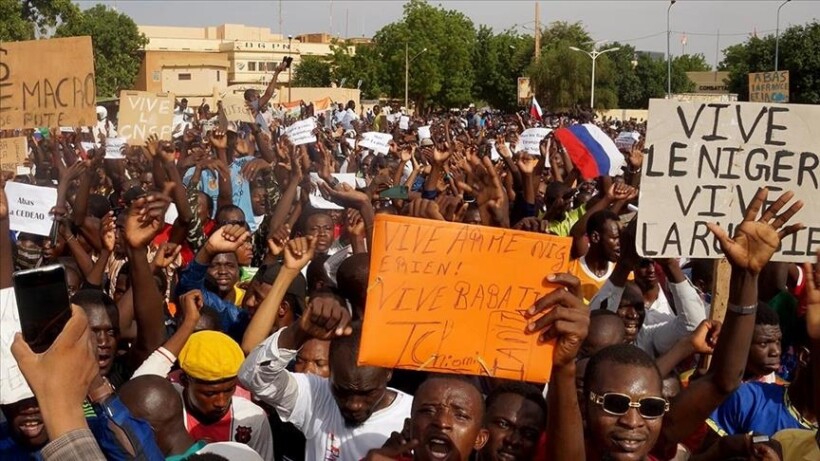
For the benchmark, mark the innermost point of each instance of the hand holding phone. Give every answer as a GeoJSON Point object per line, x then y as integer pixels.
{"type": "Point", "coordinates": [43, 305]}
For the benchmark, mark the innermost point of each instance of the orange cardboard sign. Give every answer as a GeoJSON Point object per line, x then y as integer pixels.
{"type": "Point", "coordinates": [448, 298]}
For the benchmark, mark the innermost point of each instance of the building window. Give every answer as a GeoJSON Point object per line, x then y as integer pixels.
{"type": "Point", "coordinates": [217, 75]}
{"type": "Point", "coordinates": [251, 66]}
{"type": "Point", "coordinates": [184, 76]}
{"type": "Point", "coordinates": [271, 66]}
{"type": "Point", "coordinates": [262, 66]}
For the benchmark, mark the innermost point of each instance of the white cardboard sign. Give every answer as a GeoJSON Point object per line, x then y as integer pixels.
{"type": "Point", "coordinates": [115, 148]}
{"type": "Point", "coordinates": [301, 132]}
{"type": "Point", "coordinates": [404, 122]}
{"type": "Point", "coordinates": [318, 201]}
{"type": "Point", "coordinates": [377, 142]}
{"type": "Point", "coordinates": [530, 140]}
{"type": "Point", "coordinates": [705, 162]}
{"type": "Point", "coordinates": [13, 386]}
{"type": "Point", "coordinates": [29, 207]}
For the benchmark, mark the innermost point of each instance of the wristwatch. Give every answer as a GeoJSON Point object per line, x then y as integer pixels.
{"type": "Point", "coordinates": [101, 392]}
{"type": "Point", "coordinates": [742, 310]}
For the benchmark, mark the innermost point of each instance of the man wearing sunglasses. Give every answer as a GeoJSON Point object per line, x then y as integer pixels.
{"type": "Point", "coordinates": [622, 404]}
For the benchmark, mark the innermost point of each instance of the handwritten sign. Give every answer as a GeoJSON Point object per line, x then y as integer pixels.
{"type": "Point", "coordinates": [13, 386]}
{"type": "Point", "coordinates": [424, 132]}
{"type": "Point", "coordinates": [705, 163]}
{"type": "Point", "coordinates": [377, 142]}
{"type": "Point", "coordinates": [530, 140]}
{"type": "Point", "coordinates": [236, 109]}
{"type": "Point", "coordinates": [29, 207]}
{"type": "Point", "coordinates": [447, 297]}
{"type": "Point", "coordinates": [404, 122]}
{"type": "Point", "coordinates": [55, 89]}
{"type": "Point", "coordinates": [494, 154]}
{"type": "Point", "coordinates": [318, 201]}
{"type": "Point", "coordinates": [143, 114]}
{"type": "Point", "coordinates": [13, 152]}
{"type": "Point", "coordinates": [769, 86]}
{"type": "Point", "coordinates": [115, 148]}
{"type": "Point", "coordinates": [301, 132]}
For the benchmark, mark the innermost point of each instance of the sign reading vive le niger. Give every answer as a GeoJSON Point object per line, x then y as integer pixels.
{"type": "Point", "coordinates": [55, 89]}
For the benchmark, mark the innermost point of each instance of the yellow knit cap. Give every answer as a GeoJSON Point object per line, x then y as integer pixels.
{"type": "Point", "coordinates": [211, 356]}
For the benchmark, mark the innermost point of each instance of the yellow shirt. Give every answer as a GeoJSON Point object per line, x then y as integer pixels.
{"type": "Point", "coordinates": [590, 283]}
{"type": "Point", "coordinates": [798, 444]}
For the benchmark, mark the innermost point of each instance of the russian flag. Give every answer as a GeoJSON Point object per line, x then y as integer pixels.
{"type": "Point", "coordinates": [591, 150]}
{"type": "Point", "coordinates": [535, 109]}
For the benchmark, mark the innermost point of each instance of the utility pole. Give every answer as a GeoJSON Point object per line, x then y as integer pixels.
{"type": "Point", "coordinates": [280, 17]}
{"type": "Point", "coordinates": [537, 30]}
{"type": "Point", "coordinates": [347, 23]}
{"type": "Point", "coordinates": [331, 18]}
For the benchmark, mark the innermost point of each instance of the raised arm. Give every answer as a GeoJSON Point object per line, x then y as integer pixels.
{"type": "Point", "coordinates": [271, 86]}
{"type": "Point", "coordinates": [298, 253]}
{"type": "Point", "coordinates": [145, 219]}
{"type": "Point", "coordinates": [567, 322]}
{"type": "Point", "coordinates": [751, 248]}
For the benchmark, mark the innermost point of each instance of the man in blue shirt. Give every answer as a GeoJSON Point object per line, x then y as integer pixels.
{"type": "Point", "coordinates": [226, 239]}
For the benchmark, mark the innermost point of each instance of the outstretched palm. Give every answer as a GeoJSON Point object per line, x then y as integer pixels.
{"type": "Point", "coordinates": [756, 240]}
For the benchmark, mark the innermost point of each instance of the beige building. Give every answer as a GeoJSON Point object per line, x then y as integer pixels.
{"type": "Point", "coordinates": [199, 62]}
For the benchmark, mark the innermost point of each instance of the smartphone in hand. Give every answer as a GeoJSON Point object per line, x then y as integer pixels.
{"type": "Point", "coordinates": [43, 305]}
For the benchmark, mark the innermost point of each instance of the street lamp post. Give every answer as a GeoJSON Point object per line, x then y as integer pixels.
{"type": "Point", "coordinates": [407, 61]}
{"type": "Point", "coordinates": [290, 68]}
{"type": "Point", "coordinates": [668, 52]}
{"type": "Point", "coordinates": [594, 56]}
{"type": "Point", "coordinates": [777, 36]}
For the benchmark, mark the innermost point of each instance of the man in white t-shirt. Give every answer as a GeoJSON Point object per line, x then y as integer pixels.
{"type": "Point", "coordinates": [342, 417]}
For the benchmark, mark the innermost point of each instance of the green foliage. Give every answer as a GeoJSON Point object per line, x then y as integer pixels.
{"type": "Point", "coordinates": [364, 65]}
{"type": "Point", "coordinates": [117, 46]}
{"type": "Point", "coordinates": [561, 77]}
{"type": "Point", "coordinates": [312, 71]}
{"type": "Point", "coordinates": [799, 54]}
{"type": "Point", "coordinates": [499, 59]}
{"type": "Point", "coordinates": [440, 44]}
{"type": "Point", "coordinates": [24, 19]}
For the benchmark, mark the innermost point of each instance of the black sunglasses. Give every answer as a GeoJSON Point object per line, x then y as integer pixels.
{"type": "Point", "coordinates": [619, 404]}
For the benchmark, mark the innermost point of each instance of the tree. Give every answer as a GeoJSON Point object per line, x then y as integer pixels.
{"type": "Point", "coordinates": [799, 54]}
{"type": "Point", "coordinates": [499, 60]}
{"type": "Point", "coordinates": [440, 43]}
{"type": "Point", "coordinates": [364, 65]}
{"type": "Point", "coordinates": [312, 71]}
{"type": "Point", "coordinates": [561, 77]}
{"type": "Point", "coordinates": [24, 19]}
{"type": "Point", "coordinates": [117, 45]}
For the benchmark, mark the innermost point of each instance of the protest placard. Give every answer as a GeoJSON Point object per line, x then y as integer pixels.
{"type": "Point", "coordinates": [115, 148]}
{"type": "Point", "coordinates": [377, 142]}
{"type": "Point", "coordinates": [236, 109]}
{"type": "Point", "coordinates": [318, 201]}
{"type": "Point", "coordinates": [13, 152]}
{"type": "Point", "coordinates": [706, 161]}
{"type": "Point", "coordinates": [530, 140]}
{"type": "Point", "coordinates": [29, 207]}
{"type": "Point", "coordinates": [424, 132]}
{"type": "Point", "coordinates": [55, 89]}
{"type": "Point", "coordinates": [301, 132]}
{"type": "Point", "coordinates": [448, 297]}
{"type": "Point", "coordinates": [769, 86]}
{"type": "Point", "coordinates": [13, 386]}
{"type": "Point", "coordinates": [404, 122]}
{"type": "Point", "coordinates": [494, 154]}
{"type": "Point", "coordinates": [143, 113]}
